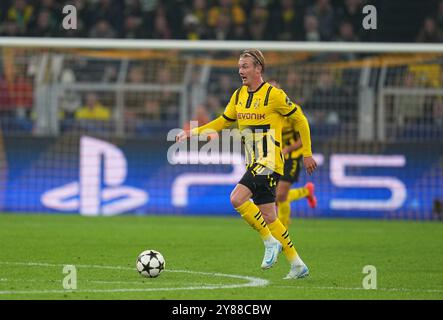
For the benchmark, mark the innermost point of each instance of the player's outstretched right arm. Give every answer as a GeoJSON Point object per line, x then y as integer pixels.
{"type": "Point", "coordinates": [222, 122]}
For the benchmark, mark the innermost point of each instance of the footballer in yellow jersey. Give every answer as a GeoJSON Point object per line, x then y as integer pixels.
{"type": "Point", "coordinates": [293, 162]}
{"type": "Point", "coordinates": [259, 110]}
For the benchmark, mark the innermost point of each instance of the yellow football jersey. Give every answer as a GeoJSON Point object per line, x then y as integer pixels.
{"type": "Point", "coordinates": [260, 116]}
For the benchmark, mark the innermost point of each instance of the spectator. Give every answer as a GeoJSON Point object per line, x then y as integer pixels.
{"type": "Point", "coordinates": [71, 99]}
{"type": "Point", "coordinates": [152, 110]}
{"type": "Point", "coordinates": [223, 28]}
{"type": "Point", "coordinates": [102, 29]}
{"type": "Point", "coordinates": [311, 32]}
{"type": "Point", "coordinates": [10, 28]}
{"type": "Point", "coordinates": [93, 110]}
{"type": "Point", "coordinates": [215, 107]}
{"type": "Point", "coordinates": [168, 99]}
{"type": "Point", "coordinates": [135, 101]}
{"type": "Point", "coordinates": [294, 86]}
{"type": "Point", "coordinates": [54, 10]}
{"type": "Point", "coordinates": [4, 5]}
{"type": "Point", "coordinates": [283, 23]}
{"type": "Point", "coordinates": [408, 108]}
{"type": "Point", "coordinates": [257, 23]}
{"type": "Point", "coordinates": [227, 8]}
{"type": "Point", "coordinates": [110, 11]}
{"type": "Point", "coordinates": [161, 28]}
{"type": "Point", "coordinates": [437, 112]}
{"type": "Point", "coordinates": [239, 33]}
{"type": "Point", "coordinates": [437, 105]}
{"type": "Point", "coordinates": [439, 17]}
{"type": "Point", "coordinates": [136, 74]}
{"type": "Point", "coordinates": [219, 88]}
{"type": "Point", "coordinates": [22, 95]}
{"type": "Point", "coordinates": [430, 32]}
{"type": "Point", "coordinates": [21, 12]}
{"type": "Point", "coordinates": [133, 27]}
{"type": "Point", "coordinates": [192, 28]}
{"type": "Point", "coordinates": [352, 13]}
{"type": "Point", "coordinates": [199, 11]}
{"type": "Point", "coordinates": [329, 103]}
{"type": "Point", "coordinates": [346, 32]}
{"type": "Point", "coordinates": [324, 13]}
{"type": "Point", "coordinates": [6, 105]}
{"type": "Point", "coordinates": [44, 27]}
{"type": "Point", "coordinates": [149, 117]}
{"type": "Point", "coordinates": [133, 8]}
{"type": "Point", "coordinates": [282, 19]}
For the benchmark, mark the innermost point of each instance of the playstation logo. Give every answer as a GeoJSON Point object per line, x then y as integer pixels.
{"type": "Point", "coordinates": [99, 191]}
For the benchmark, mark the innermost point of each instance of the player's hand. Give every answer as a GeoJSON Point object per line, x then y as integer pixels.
{"type": "Point", "coordinates": [309, 164]}
{"type": "Point", "coordinates": [182, 136]}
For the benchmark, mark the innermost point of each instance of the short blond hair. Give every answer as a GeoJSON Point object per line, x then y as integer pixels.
{"type": "Point", "coordinates": [256, 55]}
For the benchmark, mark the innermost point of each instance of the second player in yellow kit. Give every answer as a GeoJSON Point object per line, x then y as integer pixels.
{"type": "Point", "coordinates": [293, 163]}
{"type": "Point", "coordinates": [292, 153]}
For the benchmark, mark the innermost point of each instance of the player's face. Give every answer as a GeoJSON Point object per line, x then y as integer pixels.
{"type": "Point", "coordinates": [248, 72]}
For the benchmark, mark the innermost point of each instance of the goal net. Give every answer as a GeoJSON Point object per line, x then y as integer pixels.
{"type": "Point", "coordinates": [84, 125]}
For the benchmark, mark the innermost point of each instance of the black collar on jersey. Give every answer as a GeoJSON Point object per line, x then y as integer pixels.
{"type": "Point", "coordinates": [259, 87]}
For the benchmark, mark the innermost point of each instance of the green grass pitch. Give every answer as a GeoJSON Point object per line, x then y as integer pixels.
{"type": "Point", "coordinates": [215, 258]}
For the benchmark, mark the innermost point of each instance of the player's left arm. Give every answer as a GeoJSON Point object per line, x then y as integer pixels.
{"type": "Point", "coordinates": [294, 112]}
{"type": "Point", "coordinates": [297, 144]}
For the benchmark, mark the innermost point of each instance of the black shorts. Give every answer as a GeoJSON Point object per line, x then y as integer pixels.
{"type": "Point", "coordinates": [262, 185]}
{"type": "Point", "coordinates": [292, 170]}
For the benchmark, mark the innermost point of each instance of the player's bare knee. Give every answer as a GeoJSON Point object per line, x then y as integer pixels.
{"type": "Point", "coordinates": [236, 201]}
{"type": "Point", "coordinates": [281, 197]}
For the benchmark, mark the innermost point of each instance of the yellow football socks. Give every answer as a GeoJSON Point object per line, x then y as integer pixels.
{"type": "Point", "coordinates": [284, 212]}
{"type": "Point", "coordinates": [252, 215]}
{"type": "Point", "coordinates": [296, 194]}
{"type": "Point", "coordinates": [280, 233]}
{"type": "Point", "coordinates": [284, 208]}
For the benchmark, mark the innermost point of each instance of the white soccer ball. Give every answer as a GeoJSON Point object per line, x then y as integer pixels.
{"type": "Point", "coordinates": [150, 263]}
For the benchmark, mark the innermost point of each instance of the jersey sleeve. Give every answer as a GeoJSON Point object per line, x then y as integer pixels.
{"type": "Point", "coordinates": [283, 104]}
{"type": "Point", "coordinates": [289, 109]}
{"type": "Point", "coordinates": [230, 112]}
{"type": "Point", "coordinates": [228, 117]}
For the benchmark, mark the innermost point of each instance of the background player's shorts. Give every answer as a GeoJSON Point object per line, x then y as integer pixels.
{"type": "Point", "coordinates": [262, 186]}
{"type": "Point", "coordinates": [292, 170]}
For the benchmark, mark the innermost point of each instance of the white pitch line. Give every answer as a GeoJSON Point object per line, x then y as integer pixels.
{"type": "Point", "coordinates": [252, 281]}
{"type": "Point", "coordinates": [89, 281]}
{"type": "Point", "coordinates": [357, 288]}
